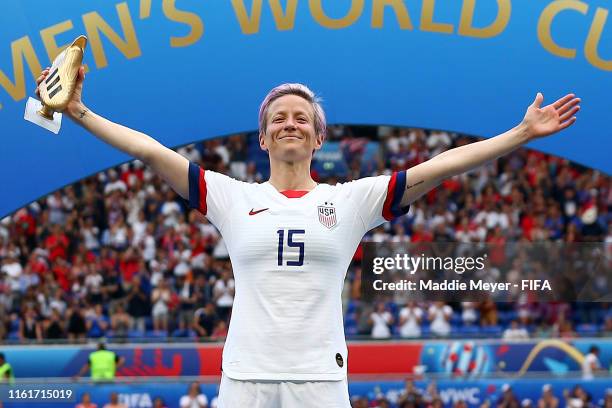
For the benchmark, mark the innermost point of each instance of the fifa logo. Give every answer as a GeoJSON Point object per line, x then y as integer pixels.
{"type": "Point", "coordinates": [327, 215]}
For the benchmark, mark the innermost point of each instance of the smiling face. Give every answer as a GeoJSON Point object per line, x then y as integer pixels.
{"type": "Point", "coordinates": [290, 130]}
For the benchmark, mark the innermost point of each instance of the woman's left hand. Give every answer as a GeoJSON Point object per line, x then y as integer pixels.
{"type": "Point", "coordinates": [540, 122]}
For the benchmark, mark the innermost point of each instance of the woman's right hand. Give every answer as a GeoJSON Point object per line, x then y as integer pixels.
{"type": "Point", "coordinates": [43, 75]}
{"type": "Point", "coordinates": [75, 104]}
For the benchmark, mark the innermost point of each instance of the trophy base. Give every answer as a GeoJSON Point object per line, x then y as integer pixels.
{"type": "Point", "coordinates": [42, 116]}
{"type": "Point", "coordinates": [46, 113]}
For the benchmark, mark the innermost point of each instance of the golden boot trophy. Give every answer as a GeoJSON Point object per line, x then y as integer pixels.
{"type": "Point", "coordinates": [57, 88]}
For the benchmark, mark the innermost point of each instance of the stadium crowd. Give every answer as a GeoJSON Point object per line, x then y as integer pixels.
{"type": "Point", "coordinates": [505, 397]}
{"type": "Point", "coordinates": [120, 255]}
{"type": "Point", "coordinates": [411, 396]}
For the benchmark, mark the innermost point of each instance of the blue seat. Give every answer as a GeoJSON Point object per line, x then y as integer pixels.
{"type": "Point", "coordinates": [112, 335]}
{"type": "Point", "coordinates": [470, 331]}
{"type": "Point", "coordinates": [184, 333]}
{"type": "Point", "coordinates": [135, 334]}
{"type": "Point", "coordinates": [156, 334]}
{"type": "Point", "coordinates": [587, 329]}
{"type": "Point", "coordinates": [350, 320]}
{"type": "Point", "coordinates": [96, 334]}
{"type": "Point", "coordinates": [179, 333]}
{"type": "Point", "coordinates": [491, 331]}
{"type": "Point", "coordinates": [14, 325]}
{"type": "Point", "coordinates": [456, 319]}
{"type": "Point", "coordinates": [351, 307]}
{"type": "Point", "coordinates": [350, 328]}
{"type": "Point", "coordinates": [503, 317]}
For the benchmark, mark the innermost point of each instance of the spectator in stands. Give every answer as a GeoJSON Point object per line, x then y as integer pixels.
{"type": "Point", "coordinates": [112, 289]}
{"type": "Point", "coordinates": [381, 320]}
{"type": "Point", "coordinates": [89, 234]}
{"type": "Point", "coordinates": [79, 267]}
{"type": "Point", "coordinates": [5, 320]}
{"type": "Point", "coordinates": [121, 322]}
{"type": "Point", "coordinates": [358, 401]}
{"type": "Point", "coordinates": [607, 326]}
{"type": "Point", "coordinates": [27, 284]}
{"type": "Point", "coordinates": [223, 293]}
{"type": "Point", "coordinates": [591, 365]}
{"type": "Point", "coordinates": [76, 322]}
{"type": "Point", "coordinates": [201, 291]}
{"type": "Point", "coordinates": [96, 322]}
{"type": "Point", "coordinates": [29, 325]}
{"type": "Point", "coordinates": [158, 402]}
{"type": "Point", "coordinates": [577, 398]}
{"type": "Point", "coordinates": [205, 320]}
{"type": "Point", "coordinates": [187, 301]}
{"type": "Point", "coordinates": [57, 243]}
{"type": "Point", "coordinates": [93, 284]}
{"type": "Point", "coordinates": [515, 332]}
{"type": "Point", "coordinates": [220, 330]}
{"type": "Point", "coordinates": [488, 313]}
{"type": "Point", "coordinates": [548, 399]}
{"type": "Point", "coordinates": [57, 301]}
{"type": "Point", "coordinates": [54, 326]}
{"type": "Point", "coordinates": [431, 393]}
{"type": "Point", "coordinates": [117, 235]}
{"type": "Point", "coordinates": [565, 329]}
{"type": "Point", "coordinates": [381, 401]}
{"type": "Point", "coordinates": [160, 301]}
{"type": "Point", "coordinates": [61, 272]}
{"type": "Point", "coordinates": [13, 270]}
{"type": "Point", "coordinates": [138, 305]}
{"type": "Point", "coordinates": [114, 402]}
{"type": "Point", "coordinates": [438, 403]}
{"type": "Point", "coordinates": [86, 402]}
{"type": "Point", "coordinates": [607, 402]}
{"type": "Point", "coordinates": [439, 315]}
{"type": "Point", "coordinates": [410, 396]}
{"type": "Point", "coordinates": [194, 398]}
{"type": "Point", "coordinates": [469, 314]}
{"type": "Point", "coordinates": [410, 320]}
{"type": "Point", "coordinates": [114, 183]}
{"type": "Point", "coordinates": [507, 399]}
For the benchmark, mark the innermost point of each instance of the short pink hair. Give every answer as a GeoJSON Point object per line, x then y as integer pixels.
{"type": "Point", "coordinates": [300, 90]}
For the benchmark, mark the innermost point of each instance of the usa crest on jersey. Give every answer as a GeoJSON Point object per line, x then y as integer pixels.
{"type": "Point", "coordinates": [327, 215]}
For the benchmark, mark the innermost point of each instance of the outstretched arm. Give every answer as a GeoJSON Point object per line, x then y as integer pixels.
{"type": "Point", "coordinates": [538, 122]}
{"type": "Point", "coordinates": [82, 371]}
{"type": "Point", "coordinates": [168, 164]}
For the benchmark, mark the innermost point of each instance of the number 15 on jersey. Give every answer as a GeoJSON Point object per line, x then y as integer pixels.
{"type": "Point", "coordinates": [291, 235]}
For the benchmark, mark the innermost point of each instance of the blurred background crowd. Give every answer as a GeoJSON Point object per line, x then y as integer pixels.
{"type": "Point", "coordinates": [413, 397]}
{"type": "Point", "coordinates": [120, 255]}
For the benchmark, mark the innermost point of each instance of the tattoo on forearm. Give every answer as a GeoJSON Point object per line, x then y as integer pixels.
{"type": "Point", "coordinates": [414, 185]}
{"type": "Point", "coordinates": [82, 113]}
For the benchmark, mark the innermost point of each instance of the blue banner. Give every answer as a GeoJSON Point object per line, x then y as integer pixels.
{"type": "Point", "coordinates": [187, 70]}
{"type": "Point", "coordinates": [474, 393]}
{"type": "Point", "coordinates": [447, 359]}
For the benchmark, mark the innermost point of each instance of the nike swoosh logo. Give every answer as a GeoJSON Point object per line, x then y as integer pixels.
{"type": "Point", "coordinates": [257, 212]}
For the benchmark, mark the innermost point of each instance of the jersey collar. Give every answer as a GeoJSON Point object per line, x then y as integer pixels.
{"type": "Point", "coordinates": [294, 193]}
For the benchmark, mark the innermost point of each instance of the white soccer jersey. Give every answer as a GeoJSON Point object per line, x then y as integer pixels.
{"type": "Point", "coordinates": [290, 257]}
